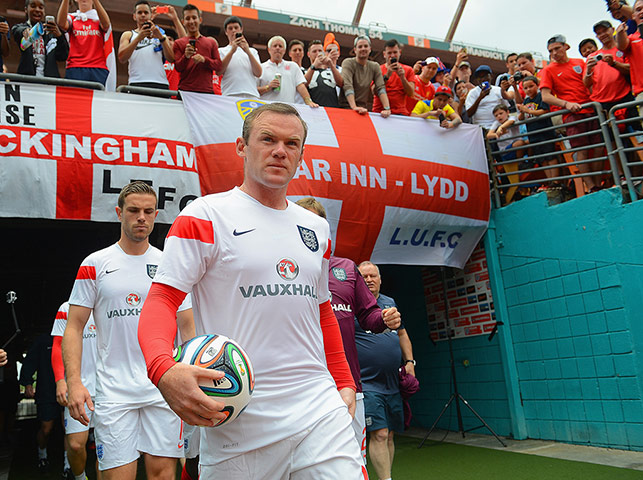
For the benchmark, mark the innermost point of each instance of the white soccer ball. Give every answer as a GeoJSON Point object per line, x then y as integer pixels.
{"type": "Point", "coordinates": [221, 353]}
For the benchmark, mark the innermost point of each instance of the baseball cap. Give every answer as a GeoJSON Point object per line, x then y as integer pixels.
{"type": "Point", "coordinates": [558, 39]}
{"type": "Point", "coordinates": [483, 69]}
{"type": "Point", "coordinates": [430, 60]}
{"type": "Point", "coordinates": [464, 64]}
{"type": "Point", "coordinates": [443, 90]}
{"type": "Point", "coordinates": [603, 24]}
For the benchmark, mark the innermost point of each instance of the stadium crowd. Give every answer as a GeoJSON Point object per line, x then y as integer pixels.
{"type": "Point", "coordinates": [181, 58]}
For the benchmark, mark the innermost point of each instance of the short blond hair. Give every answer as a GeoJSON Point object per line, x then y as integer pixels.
{"type": "Point", "coordinates": [312, 204]}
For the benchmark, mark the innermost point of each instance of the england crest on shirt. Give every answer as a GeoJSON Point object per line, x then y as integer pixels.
{"type": "Point", "coordinates": [151, 270]}
{"type": "Point", "coordinates": [339, 273]}
{"type": "Point", "coordinates": [578, 69]}
{"type": "Point", "coordinates": [309, 238]}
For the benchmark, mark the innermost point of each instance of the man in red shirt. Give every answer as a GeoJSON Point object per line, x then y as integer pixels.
{"type": "Point", "coordinates": [632, 46]}
{"type": "Point", "coordinates": [424, 89]}
{"type": "Point", "coordinates": [196, 56]}
{"type": "Point", "coordinates": [399, 80]}
{"type": "Point", "coordinates": [562, 85]}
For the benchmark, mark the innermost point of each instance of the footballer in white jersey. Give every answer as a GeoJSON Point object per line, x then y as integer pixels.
{"type": "Point", "coordinates": [76, 433]}
{"type": "Point", "coordinates": [131, 417]}
{"type": "Point", "coordinates": [257, 267]}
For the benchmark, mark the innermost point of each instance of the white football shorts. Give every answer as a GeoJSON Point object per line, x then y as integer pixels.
{"type": "Point", "coordinates": [326, 451]}
{"type": "Point", "coordinates": [124, 431]}
{"type": "Point", "coordinates": [74, 426]}
{"type": "Point", "coordinates": [191, 440]}
{"type": "Point", "coordinates": [359, 424]}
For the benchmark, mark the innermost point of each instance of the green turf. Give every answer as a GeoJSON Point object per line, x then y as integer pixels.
{"type": "Point", "coordinates": [452, 461]}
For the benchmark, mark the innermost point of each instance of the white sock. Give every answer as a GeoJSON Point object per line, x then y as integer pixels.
{"type": "Point", "coordinates": [42, 453]}
{"type": "Point", "coordinates": [82, 476]}
{"type": "Point", "coordinates": [66, 466]}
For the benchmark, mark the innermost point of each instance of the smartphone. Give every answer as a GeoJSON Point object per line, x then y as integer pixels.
{"type": "Point", "coordinates": [2, 19]}
{"type": "Point", "coordinates": [48, 19]}
{"type": "Point", "coordinates": [238, 35]}
{"type": "Point", "coordinates": [441, 118]}
{"type": "Point", "coordinates": [192, 42]}
{"type": "Point", "coordinates": [162, 9]}
{"type": "Point", "coordinates": [147, 25]}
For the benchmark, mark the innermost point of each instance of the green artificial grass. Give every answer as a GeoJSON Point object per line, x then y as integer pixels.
{"type": "Point", "coordinates": [452, 461]}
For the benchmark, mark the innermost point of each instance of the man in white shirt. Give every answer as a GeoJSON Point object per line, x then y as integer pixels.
{"type": "Point", "coordinates": [282, 79]}
{"type": "Point", "coordinates": [130, 417]}
{"type": "Point", "coordinates": [241, 66]}
{"type": "Point", "coordinates": [483, 99]}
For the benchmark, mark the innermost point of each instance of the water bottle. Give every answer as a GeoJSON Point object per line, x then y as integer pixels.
{"type": "Point", "coordinates": [35, 33]}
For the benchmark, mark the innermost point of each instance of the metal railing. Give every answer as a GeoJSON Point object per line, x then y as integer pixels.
{"type": "Point", "coordinates": [627, 145]}
{"type": "Point", "coordinates": [151, 92]}
{"type": "Point", "coordinates": [529, 170]}
{"type": "Point", "coordinates": [65, 82]}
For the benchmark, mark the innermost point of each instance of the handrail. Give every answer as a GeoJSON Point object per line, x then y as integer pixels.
{"type": "Point", "coordinates": [64, 82]}
{"type": "Point", "coordinates": [151, 92]}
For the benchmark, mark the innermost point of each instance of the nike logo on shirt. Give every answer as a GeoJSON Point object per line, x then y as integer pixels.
{"type": "Point", "coordinates": [236, 234]}
{"type": "Point", "coordinates": [107, 272]}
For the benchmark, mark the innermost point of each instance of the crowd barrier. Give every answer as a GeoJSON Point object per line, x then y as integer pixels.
{"type": "Point", "coordinates": [621, 143]}
{"type": "Point", "coordinates": [617, 164]}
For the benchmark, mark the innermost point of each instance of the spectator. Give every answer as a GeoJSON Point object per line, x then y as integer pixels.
{"type": "Point", "coordinates": [458, 102]}
{"type": "Point", "coordinates": [483, 99]}
{"type": "Point", "coordinates": [439, 78]}
{"type": "Point", "coordinates": [399, 80]}
{"type": "Point", "coordinates": [438, 109]}
{"type": "Point", "coordinates": [241, 66]}
{"type": "Point", "coordinates": [196, 56]}
{"type": "Point", "coordinates": [525, 64]}
{"type": "Point", "coordinates": [632, 47]}
{"type": "Point", "coordinates": [358, 74]}
{"type": "Point", "coordinates": [424, 89]}
{"type": "Point", "coordinates": [5, 46]}
{"type": "Point", "coordinates": [380, 357]}
{"type": "Point", "coordinates": [3, 358]}
{"type": "Point", "coordinates": [38, 58]}
{"type": "Point", "coordinates": [562, 85]}
{"type": "Point", "coordinates": [146, 48]}
{"type": "Point", "coordinates": [587, 46]}
{"type": "Point", "coordinates": [621, 11]}
{"type": "Point", "coordinates": [38, 361]}
{"type": "Point", "coordinates": [173, 77]}
{"type": "Point", "coordinates": [510, 63]}
{"type": "Point", "coordinates": [351, 299]}
{"type": "Point", "coordinates": [86, 29]}
{"type": "Point", "coordinates": [281, 79]}
{"type": "Point", "coordinates": [504, 127]}
{"type": "Point", "coordinates": [323, 76]}
{"type": "Point", "coordinates": [296, 53]}
{"type": "Point", "coordinates": [463, 74]}
{"type": "Point", "coordinates": [533, 106]}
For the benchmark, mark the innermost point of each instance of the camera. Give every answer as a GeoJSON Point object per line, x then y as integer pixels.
{"type": "Point", "coordinates": [599, 57]}
{"type": "Point", "coordinates": [518, 76]}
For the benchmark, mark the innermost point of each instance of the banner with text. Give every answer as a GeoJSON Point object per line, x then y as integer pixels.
{"type": "Point", "coordinates": [396, 190]}
{"type": "Point", "coordinates": [66, 152]}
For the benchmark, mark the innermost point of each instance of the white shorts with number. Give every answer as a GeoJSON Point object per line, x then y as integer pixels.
{"type": "Point", "coordinates": [326, 451]}
{"type": "Point", "coordinates": [123, 432]}
{"type": "Point", "coordinates": [191, 440]}
{"type": "Point", "coordinates": [74, 426]}
{"type": "Point", "coordinates": [359, 424]}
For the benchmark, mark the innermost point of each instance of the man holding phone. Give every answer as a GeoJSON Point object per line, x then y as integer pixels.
{"type": "Point", "coordinates": [38, 57]}
{"type": "Point", "coordinates": [196, 56]}
{"type": "Point", "coordinates": [240, 66]}
{"type": "Point", "coordinates": [323, 76]}
{"type": "Point", "coordinates": [482, 100]}
{"type": "Point", "coordinates": [146, 48]}
{"type": "Point", "coordinates": [399, 78]}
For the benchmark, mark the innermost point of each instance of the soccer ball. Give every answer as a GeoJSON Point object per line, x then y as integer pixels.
{"type": "Point", "coordinates": [221, 353]}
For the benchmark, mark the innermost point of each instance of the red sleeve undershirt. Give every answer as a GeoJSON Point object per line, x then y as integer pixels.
{"type": "Point", "coordinates": [157, 328]}
{"type": "Point", "coordinates": [57, 358]}
{"type": "Point", "coordinates": [334, 348]}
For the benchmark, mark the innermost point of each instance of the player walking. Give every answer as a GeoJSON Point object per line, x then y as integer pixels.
{"type": "Point", "coordinates": [257, 266]}
{"type": "Point", "coordinates": [131, 416]}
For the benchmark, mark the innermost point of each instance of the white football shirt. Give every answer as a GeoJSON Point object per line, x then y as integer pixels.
{"type": "Point", "coordinates": [115, 284]}
{"type": "Point", "coordinates": [88, 360]}
{"type": "Point", "coordinates": [258, 275]}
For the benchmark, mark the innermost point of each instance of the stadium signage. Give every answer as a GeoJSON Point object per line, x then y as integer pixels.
{"type": "Point", "coordinates": [334, 27]}
{"type": "Point", "coordinates": [477, 52]}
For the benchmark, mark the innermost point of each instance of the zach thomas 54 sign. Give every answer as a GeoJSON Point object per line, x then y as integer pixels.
{"type": "Point", "coordinates": [396, 190]}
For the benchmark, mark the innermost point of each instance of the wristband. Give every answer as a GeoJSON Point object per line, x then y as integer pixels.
{"type": "Point", "coordinates": [163, 39]}
{"type": "Point", "coordinates": [386, 108]}
{"type": "Point", "coordinates": [411, 361]}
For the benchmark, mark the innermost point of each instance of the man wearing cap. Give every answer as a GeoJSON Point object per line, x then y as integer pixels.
{"type": "Point", "coordinates": [483, 99]}
{"type": "Point", "coordinates": [463, 74]}
{"type": "Point", "coordinates": [562, 85]}
{"type": "Point", "coordinates": [632, 46]}
{"type": "Point", "coordinates": [439, 109]}
{"type": "Point", "coordinates": [424, 89]}
{"type": "Point", "coordinates": [358, 73]}
{"type": "Point", "coordinates": [399, 80]}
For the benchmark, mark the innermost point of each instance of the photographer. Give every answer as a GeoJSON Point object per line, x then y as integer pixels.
{"type": "Point", "coordinates": [483, 99]}
{"type": "Point", "coordinates": [399, 80]}
{"type": "Point", "coordinates": [146, 48]}
{"type": "Point", "coordinates": [323, 76]}
{"type": "Point", "coordinates": [39, 55]}
{"type": "Point", "coordinates": [240, 65]}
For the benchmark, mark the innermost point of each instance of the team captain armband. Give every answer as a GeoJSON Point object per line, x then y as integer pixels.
{"type": "Point", "coordinates": [334, 348]}
{"type": "Point", "coordinates": [157, 328]}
